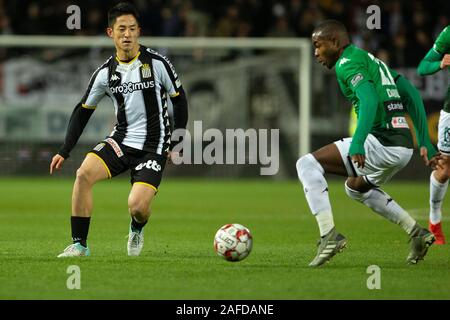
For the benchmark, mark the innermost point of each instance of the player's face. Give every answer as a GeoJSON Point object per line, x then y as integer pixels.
{"type": "Point", "coordinates": [325, 51]}
{"type": "Point", "coordinates": [125, 32]}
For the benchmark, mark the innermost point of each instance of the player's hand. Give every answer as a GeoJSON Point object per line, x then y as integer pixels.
{"type": "Point", "coordinates": [360, 159]}
{"type": "Point", "coordinates": [173, 155]}
{"type": "Point", "coordinates": [424, 155]}
{"type": "Point", "coordinates": [433, 162]}
{"type": "Point", "coordinates": [442, 162]}
{"type": "Point", "coordinates": [57, 162]}
{"type": "Point", "coordinates": [445, 61]}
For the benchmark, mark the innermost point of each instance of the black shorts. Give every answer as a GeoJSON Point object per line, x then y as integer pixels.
{"type": "Point", "coordinates": [146, 167]}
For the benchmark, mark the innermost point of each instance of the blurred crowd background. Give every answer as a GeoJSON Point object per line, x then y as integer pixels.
{"type": "Point", "coordinates": [38, 88]}
{"type": "Point", "coordinates": [408, 27]}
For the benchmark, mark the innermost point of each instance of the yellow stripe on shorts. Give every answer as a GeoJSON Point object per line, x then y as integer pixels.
{"type": "Point", "coordinates": [103, 162]}
{"type": "Point", "coordinates": [147, 184]}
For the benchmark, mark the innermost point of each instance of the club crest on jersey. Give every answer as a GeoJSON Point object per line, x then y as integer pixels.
{"type": "Point", "coordinates": [146, 71]}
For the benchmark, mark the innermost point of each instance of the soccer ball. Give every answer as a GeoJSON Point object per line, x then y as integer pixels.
{"type": "Point", "coordinates": [233, 242]}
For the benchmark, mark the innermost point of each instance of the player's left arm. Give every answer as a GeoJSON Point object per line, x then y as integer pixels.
{"type": "Point", "coordinates": [413, 102]}
{"type": "Point", "coordinates": [180, 109]}
{"type": "Point", "coordinates": [172, 85]}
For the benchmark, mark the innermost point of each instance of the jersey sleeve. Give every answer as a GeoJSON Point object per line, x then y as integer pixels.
{"type": "Point", "coordinates": [442, 43]}
{"type": "Point", "coordinates": [352, 73]}
{"type": "Point", "coordinates": [96, 89]}
{"type": "Point", "coordinates": [430, 64]}
{"type": "Point", "coordinates": [367, 111]}
{"type": "Point", "coordinates": [168, 77]}
{"type": "Point", "coordinates": [413, 101]}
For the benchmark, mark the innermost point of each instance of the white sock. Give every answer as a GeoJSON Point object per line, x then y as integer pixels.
{"type": "Point", "coordinates": [437, 194]}
{"type": "Point", "coordinates": [380, 202]}
{"type": "Point", "coordinates": [310, 173]}
{"type": "Point", "coordinates": [325, 222]}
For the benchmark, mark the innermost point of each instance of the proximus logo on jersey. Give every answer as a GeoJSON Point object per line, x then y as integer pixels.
{"type": "Point", "coordinates": [129, 87]}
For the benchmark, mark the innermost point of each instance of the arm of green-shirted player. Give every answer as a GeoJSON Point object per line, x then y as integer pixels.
{"type": "Point", "coordinates": [431, 63]}
{"type": "Point", "coordinates": [413, 102]}
{"type": "Point", "coordinates": [368, 102]}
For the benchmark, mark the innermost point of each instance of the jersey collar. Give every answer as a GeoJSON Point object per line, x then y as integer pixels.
{"type": "Point", "coordinates": [131, 61]}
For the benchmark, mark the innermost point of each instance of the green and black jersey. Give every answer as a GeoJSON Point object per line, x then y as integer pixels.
{"type": "Point", "coordinates": [432, 61]}
{"type": "Point", "coordinates": [356, 67]}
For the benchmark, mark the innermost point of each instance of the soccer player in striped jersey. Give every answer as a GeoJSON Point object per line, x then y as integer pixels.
{"type": "Point", "coordinates": [438, 58]}
{"type": "Point", "coordinates": [138, 81]}
{"type": "Point", "coordinates": [381, 146]}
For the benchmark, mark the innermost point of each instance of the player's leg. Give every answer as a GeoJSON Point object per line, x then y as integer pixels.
{"type": "Point", "coordinates": [379, 201]}
{"type": "Point", "coordinates": [439, 179]}
{"type": "Point", "coordinates": [92, 169]}
{"type": "Point", "coordinates": [139, 206]}
{"type": "Point", "coordinates": [311, 169]}
{"type": "Point", "coordinates": [146, 175]}
{"type": "Point", "coordinates": [102, 162]}
{"type": "Point", "coordinates": [438, 189]}
{"type": "Point", "coordinates": [383, 204]}
{"type": "Point", "coordinates": [381, 164]}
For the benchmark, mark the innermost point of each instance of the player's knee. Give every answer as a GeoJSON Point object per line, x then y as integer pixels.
{"type": "Point", "coordinates": [441, 175]}
{"type": "Point", "coordinates": [306, 164]}
{"type": "Point", "coordinates": [83, 176]}
{"type": "Point", "coordinates": [354, 194]}
{"type": "Point", "coordinates": [302, 163]}
{"type": "Point", "coordinates": [139, 209]}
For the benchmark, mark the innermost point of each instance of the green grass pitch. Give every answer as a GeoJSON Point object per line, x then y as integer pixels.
{"type": "Point", "coordinates": [178, 261]}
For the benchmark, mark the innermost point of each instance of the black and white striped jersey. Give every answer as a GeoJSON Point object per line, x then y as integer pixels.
{"type": "Point", "coordinates": [138, 90]}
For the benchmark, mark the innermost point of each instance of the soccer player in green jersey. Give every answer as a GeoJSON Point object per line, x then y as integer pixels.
{"type": "Point", "coordinates": [381, 146]}
{"type": "Point", "coordinates": [436, 59]}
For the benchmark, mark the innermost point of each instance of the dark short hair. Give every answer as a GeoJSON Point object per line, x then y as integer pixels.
{"type": "Point", "coordinates": [331, 28]}
{"type": "Point", "coordinates": [120, 9]}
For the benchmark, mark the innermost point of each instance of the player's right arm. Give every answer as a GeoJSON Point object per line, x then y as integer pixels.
{"type": "Point", "coordinates": [81, 115]}
{"type": "Point", "coordinates": [77, 123]}
{"type": "Point", "coordinates": [436, 59]}
{"type": "Point", "coordinates": [353, 75]}
{"type": "Point", "coordinates": [368, 102]}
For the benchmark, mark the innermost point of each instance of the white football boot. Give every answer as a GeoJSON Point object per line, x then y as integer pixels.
{"type": "Point", "coordinates": [135, 242]}
{"type": "Point", "coordinates": [75, 250]}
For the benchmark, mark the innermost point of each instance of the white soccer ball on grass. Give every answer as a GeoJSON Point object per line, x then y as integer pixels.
{"type": "Point", "coordinates": [233, 242]}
